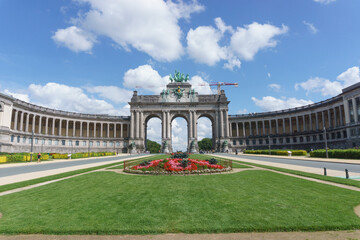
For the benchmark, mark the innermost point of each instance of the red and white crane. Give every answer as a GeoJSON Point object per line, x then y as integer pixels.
{"type": "Point", "coordinates": [218, 84]}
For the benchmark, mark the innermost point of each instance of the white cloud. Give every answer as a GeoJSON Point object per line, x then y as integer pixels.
{"type": "Point", "coordinates": [183, 10]}
{"type": "Point", "coordinates": [154, 130]}
{"type": "Point", "coordinates": [73, 99]}
{"type": "Point", "coordinates": [269, 75]}
{"type": "Point", "coordinates": [324, 1]}
{"type": "Point", "coordinates": [247, 41]}
{"type": "Point", "coordinates": [322, 85]}
{"type": "Point", "coordinates": [350, 76]}
{"type": "Point", "coordinates": [311, 27]}
{"type": "Point", "coordinates": [75, 39]}
{"type": "Point", "coordinates": [200, 85]}
{"type": "Point", "coordinates": [204, 129]}
{"type": "Point", "coordinates": [113, 93]}
{"type": "Point", "coordinates": [331, 88]}
{"type": "Point", "coordinates": [220, 24]}
{"type": "Point", "coordinates": [203, 45]}
{"type": "Point", "coordinates": [63, 97]}
{"type": "Point", "coordinates": [20, 96]}
{"type": "Point", "coordinates": [145, 77]}
{"type": "Point", "coordinates": [275, 87]}
{"type": "Point", "coordinates": [269, 103]}
{"type": "Point", "coordinates": [148, 26]}
{"type": "Point", "coordinates": [203, 42]}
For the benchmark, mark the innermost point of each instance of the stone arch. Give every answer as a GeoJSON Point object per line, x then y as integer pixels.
{"type": "Point", "coordinates": [147, 118]}
{"type": "Point", "coordinates": [183, 115]}
{"type": "Point", "coordinates": [211, 117]}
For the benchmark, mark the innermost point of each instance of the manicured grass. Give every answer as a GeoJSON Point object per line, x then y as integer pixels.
{"type": "Point", "coordinates": [111, 203]}
{"type": "Point", "coordinates": [57, 176]}
{"type": "Point", "coordinates": [349, 182]}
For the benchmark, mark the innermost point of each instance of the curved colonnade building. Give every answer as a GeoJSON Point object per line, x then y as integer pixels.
{"type": "Point", "coordinates": [69, 132]}
{"type": "Point", "coordinates": [302, 127]}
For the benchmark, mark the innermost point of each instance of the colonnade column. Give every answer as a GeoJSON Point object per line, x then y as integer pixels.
{"type": "Point", "coordinates": [311, 127]}
{"type": "Point", "coordinates": [21, 121]}
{"type": "Point", "coordinates": [244, 132]}
{"type": "Point", "coordinates": [277, 126]}
{"type": "Point", "coordinates": [341, 117]}
{"type": "Point", "coordinates": [114, 130]}
{"type": "Point", "coordinates": [284, 126]}
{"type": "Point", "coordinates": [60, 123]}
{"type": "Point", "coordinates": [290, 123]}
{"type": "Point", "coordinates": [47, 125]}
{"type": "Point", "coordinates": [263, 128]}
{"type": "Point", "coordinates": [16, 119]}
{"type": "Point", "coordinates": [142, 127]}
{"type": "Point", "coordinates": [40, 120]}
{"type": "Point", "coordinates": [257, 127]}
{"type": "Point", "coordinates": [74, 129]}
{"type": "Point", "coordinates": [53, 127]}
{"type": "Point", "coordinates": [270, 128]}
{"type": "Point", "coordinates": [335, 118]}
{"type": "Point", "coordinates": [108, 130]}
{"type": "Point", "coordinates": [316, 121]}
{"type": "Point", "coordinates": [87, 129]}
{"type": "Point", "coordinates": [67, 128]}
{"type": "Point", "coordinates": [297, 124]}
{"type": "Point", "coordinates": [250, 129]}
{"type": "Point", "coordinates": [27, 123]}
{"type": "Point", "coordinates": [33, 123]}
{"type": "Point", "coordinates": [81, 128]}
{"type": "Point", "coordinates": [237, 129]}
{"type": "Point", "coordinates": [95, 129]}
{"type": "Point", "coordinates": [122, 130]}
{"type": "Point", "coordinates": [304, 123]}
{"type": "Point", "coordinates": [354, 109]}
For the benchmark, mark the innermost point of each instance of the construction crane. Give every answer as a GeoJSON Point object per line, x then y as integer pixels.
{"type": "Point", "coordinates": [218, 84]}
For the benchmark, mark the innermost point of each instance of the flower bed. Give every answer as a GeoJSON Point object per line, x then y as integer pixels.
{"type": "Point", "coordinates": [179, 166]}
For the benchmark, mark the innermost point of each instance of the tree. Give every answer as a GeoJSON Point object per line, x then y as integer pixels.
{"type": "Point", "coordinates": [152, 146]}
{"type": "Point", "coordinates": [205, 144]}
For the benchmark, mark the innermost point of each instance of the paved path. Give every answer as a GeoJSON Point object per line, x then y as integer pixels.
{"type": "Point", "coordinates": [333, 167]}
{"type": "Point", "coordinates": [12, 173]}
{"type": "Point", "coordinates": [328, 235]}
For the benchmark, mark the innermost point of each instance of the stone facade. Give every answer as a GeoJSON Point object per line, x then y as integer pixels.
{"type": "Point", "coordinates": [66, 132]}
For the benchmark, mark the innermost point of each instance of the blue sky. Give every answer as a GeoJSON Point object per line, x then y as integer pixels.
{"type": "Point", "coordinates": [89, 55]}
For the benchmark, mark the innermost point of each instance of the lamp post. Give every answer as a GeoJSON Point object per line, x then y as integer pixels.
{"type": "Point", "coordinates": [326, 148]}
{"type": "Point", "coordinates": [89, 148]}
{"type": "Point", "coordinates": [32, 145]}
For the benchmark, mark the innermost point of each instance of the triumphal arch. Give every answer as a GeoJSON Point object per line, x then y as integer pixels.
{"type": "Point", "coordinates": [179, 99]}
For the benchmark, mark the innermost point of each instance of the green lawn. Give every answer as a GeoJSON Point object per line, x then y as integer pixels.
{"type": "Point", "coordinates": [112, 203]}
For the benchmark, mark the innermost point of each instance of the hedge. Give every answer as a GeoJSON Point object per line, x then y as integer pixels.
{"type": "Point", "coordinates": [277, 152]}
{"type": "Point", "coordinates": [23, 157]}
{"type": "Point", "coordinates": [337, 153]}
{"type": "Point", "coordinates": [92, 154]}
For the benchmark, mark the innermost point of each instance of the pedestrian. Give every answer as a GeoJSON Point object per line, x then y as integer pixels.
{"type": "Point", "coordinates": [39, 156]}
{"type": "Point", "coordinates": [236, 151]}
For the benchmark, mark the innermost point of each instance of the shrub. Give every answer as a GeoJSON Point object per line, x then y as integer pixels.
{"type": "Point", "coordinates": [337, 153]}
{"type": "Point", "coordinates": [60, 156]}
{"type": "Point", "coordinates": [277, 152]}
